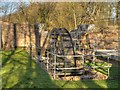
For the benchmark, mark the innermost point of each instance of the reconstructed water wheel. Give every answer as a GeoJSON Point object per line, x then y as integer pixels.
{"type": "Point", "coordinates": [84, 46]}
{"type": "Point", "coordinates": [83, 40]}
{"type": "Point", "coordinates": [61, 44]}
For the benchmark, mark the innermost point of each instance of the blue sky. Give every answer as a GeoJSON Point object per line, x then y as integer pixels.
{"type": "Point", "coordinates": [6, 3]}
{"type": "Point", "coordinates": [14, 1]}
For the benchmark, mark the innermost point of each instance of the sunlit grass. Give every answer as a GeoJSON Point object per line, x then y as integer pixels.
{"type": "Point", "coordinates": [88, 84]}
{"type": "Point", "coordinates": [20, 71]}
{"type": "Point", "coordinates": [100, 66]}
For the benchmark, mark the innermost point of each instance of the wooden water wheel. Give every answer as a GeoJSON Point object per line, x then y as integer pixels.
{"type": "Point", "coordinates": [83, 40]}
{"type": "Point", "coordinates": [61, 49]}
{"type": "Point", "coordinates": [84, 45]}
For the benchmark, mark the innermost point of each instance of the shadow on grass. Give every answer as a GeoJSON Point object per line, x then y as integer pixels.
{"type": "Point", "coordinates": [8, 58]}
{"type": "Point", "coordinates": [24, 73]}
{"type": "Point", "coordinates": [91, 84]}
{"type": "Point", "coordinates": [7, 55]}
{"type": "Point", "coordinates": [114, 75]}
{"type": "Point", "coordinates": [21, 71]}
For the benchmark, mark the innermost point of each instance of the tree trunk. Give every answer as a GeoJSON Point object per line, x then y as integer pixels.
{"type": "Point", "coordinates": [30, 38]}
{"type": "Point", "coordinates": [15, 37]}
{"type": "Point", "coordinates": [0, 37]}
{"type": "Point", "coordinates": [37, 42]}
{"type": "Point", "coordinates": [74, 14]}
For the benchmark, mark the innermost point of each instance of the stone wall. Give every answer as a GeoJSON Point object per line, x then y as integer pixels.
{"type": "Point", "coordinates": [23, 35]}
{"type": "Point", "coordinates": [105, 40]}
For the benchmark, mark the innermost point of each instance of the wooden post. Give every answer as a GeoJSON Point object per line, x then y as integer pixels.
{"type": "Point", "coordinates": [55, 66]}
{"type": "Point", "coordinates": [0, 37]}
{"type": "Point", "coordinates": [47, 60]}
{"type": "Point", "coordinates": [94, 49]}
{"type": "Point", "coordinates": [54, 76]}
{"type": "Point", "coordinates": [0, 56]}
{"type": "Point", "coordinates": [15, 37]}
{"type": "Point", "coordinates": [108, 66]}
{"type": "Point", "coordinates": [83, 59]}
{"type": "Point", "coordinates": [30, 40]}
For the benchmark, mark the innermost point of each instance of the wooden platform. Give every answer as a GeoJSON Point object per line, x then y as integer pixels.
{"type": "Point", "coordinates": [112, 54]}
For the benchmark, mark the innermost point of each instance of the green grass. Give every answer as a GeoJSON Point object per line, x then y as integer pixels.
{"type": "Point", "coordinates": [20, 71]}
{"type": "Point", "coordinates": [102, 69]}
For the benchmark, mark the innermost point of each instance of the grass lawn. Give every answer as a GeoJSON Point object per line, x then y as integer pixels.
{"type": "Point", "coordinates": [20, 71]}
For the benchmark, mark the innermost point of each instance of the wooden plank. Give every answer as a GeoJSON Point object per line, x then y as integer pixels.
{"type": "Point", "coordinates": [68, 68]}
{"type": "Point", "coordinates": [66, 39]}
{"type": "Point", "coordinates": [97, 67]}
{"type": "Point", "coordinates": [69, 55]}
{"type": "Point", "coordinates": [68, 47]}
{"type": "Point", "coordinates": [101, 50]}
{"type": "Point", "coordinates": [58, 63]}
{"type": "Point", "coordinates": [65, 35]}
{"type": "Point", "coordinates": [112, 54]}
{"type": "Point", "coordinates": [68, 74]}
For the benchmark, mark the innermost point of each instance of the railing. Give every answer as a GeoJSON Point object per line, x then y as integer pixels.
{"type": "Point", "coordinates": [82, 55]}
